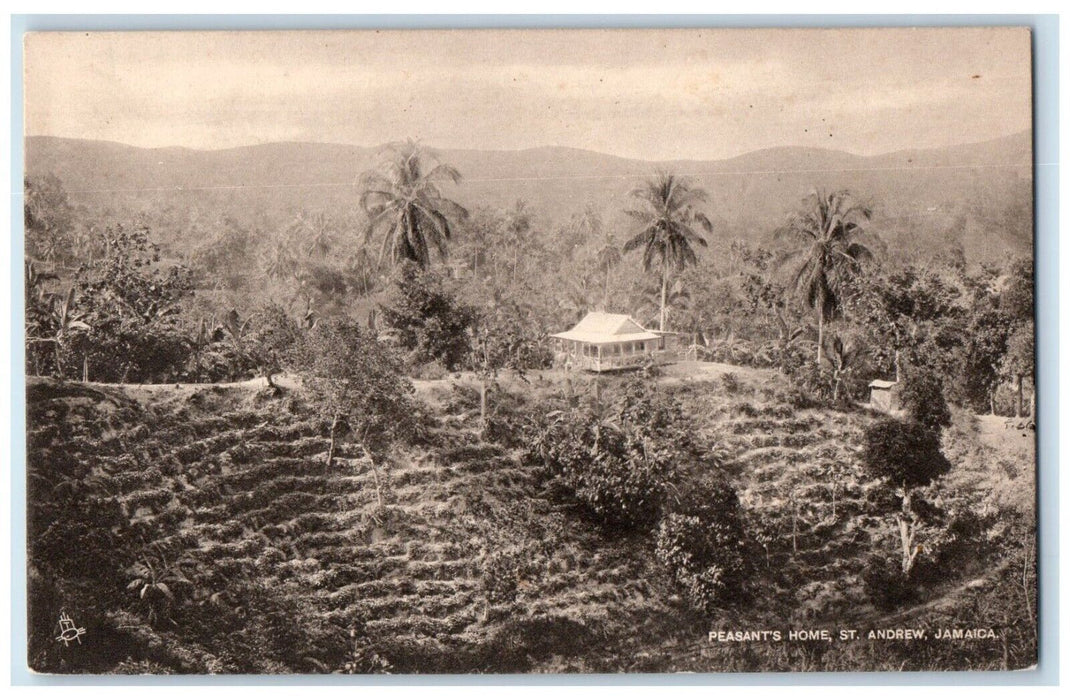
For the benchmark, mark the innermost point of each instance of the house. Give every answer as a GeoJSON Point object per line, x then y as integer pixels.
{"type": "Point", "coordinates": [604, 341]}
{"type": "Point", "coordinates": [884, 395]}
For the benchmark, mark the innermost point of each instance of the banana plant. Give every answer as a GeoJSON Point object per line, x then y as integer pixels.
{"type": "Point", "coordinates": [63, 319]}
{"type": "Point", "coordinates": [840, 355]}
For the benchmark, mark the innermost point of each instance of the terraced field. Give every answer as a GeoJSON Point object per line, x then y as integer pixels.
{"type": "Point", "coordinates": [445, 556]}
{"type": "Point", "coordinates": [393, 557]}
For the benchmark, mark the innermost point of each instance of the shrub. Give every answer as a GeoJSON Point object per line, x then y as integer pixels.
{"type": "Point", "coordinates": [885, 583]}
{"type": "Point", "coordinates": [702, 545]}
{"type": "Point", "coordinates": [618, 467]}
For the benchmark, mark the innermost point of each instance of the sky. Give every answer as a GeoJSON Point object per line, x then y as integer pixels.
{"type": "Point", "coordinates": [647, 94]}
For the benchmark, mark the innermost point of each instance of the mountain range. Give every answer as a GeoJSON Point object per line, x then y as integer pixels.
{"type": "Point", "coordinates": [977, 196]}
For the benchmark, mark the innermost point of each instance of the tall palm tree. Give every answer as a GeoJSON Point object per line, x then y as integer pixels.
{"type": "Point", "coordinates": [402, 201]}
{"type": "Point", "coordinates": [666, 219]}
{"type": "Point", "coordinates": [825, 230]}
{"type": "Point", "coordinates": [608, 257]}
{"type": "Point", "coordinates": [517, 225]}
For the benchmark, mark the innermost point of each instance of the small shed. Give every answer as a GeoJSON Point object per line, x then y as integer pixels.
{"type": "Point", "coordinates": [884, 395]}
{"type": "Point", "coordinates": [604, 341]}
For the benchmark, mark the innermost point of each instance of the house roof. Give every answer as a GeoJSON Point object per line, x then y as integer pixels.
{"type": "Point", "coordinates": [597, 327]}
{"type": "Point", "coordinates": [882, 384]}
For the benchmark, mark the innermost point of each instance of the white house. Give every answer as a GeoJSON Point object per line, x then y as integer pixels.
{"type": "Point", "coordinates": [604, 341]}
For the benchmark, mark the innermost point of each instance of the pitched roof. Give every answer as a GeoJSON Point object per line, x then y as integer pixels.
{"type": "Point", "coordinates": [882, 384]}
{"type": "Point", "coordinates": [598, 327]}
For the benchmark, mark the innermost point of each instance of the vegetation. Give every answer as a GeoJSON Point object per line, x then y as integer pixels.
{"type": "Point", "coordinates": [416, 488]}
{"type": "Point", "coordinates": [402, 202]}
{"type": "Point", "coordinates": [666, 223]}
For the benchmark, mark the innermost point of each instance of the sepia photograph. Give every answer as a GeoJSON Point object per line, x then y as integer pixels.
{"type": "Point", "coordinates": [530, 351]}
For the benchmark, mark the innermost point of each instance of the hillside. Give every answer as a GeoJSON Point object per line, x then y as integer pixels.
{"type": "Point", "coordinates": [451, 557]}
{"type": "Point", "coordinates": [977, 194]}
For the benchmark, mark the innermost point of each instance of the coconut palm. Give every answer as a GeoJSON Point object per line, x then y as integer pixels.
{"type": "Point", "coordinates": [609, 256]}
{"type": "Point", "coordinates": [280, 262]}
{"type": "Point", "coordinates": [403, 202]}
{"type": "Point", "coordinates": [315, 232]}
{"type": "Point", "coordinates": [666, 234]}
{"type": "Point", "coordinates": [517, 226]}
{"type": "Point", "coordinates": [825, 231]}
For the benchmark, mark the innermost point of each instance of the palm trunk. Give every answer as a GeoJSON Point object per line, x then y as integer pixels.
{"type": "Point", "coordinates": [664, 288]}
{"type": "Point", "coordinates": [820, 332]}
{"type": "Point", "coordinates": [1020, 407]}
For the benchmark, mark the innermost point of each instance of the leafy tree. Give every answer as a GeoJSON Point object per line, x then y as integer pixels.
{"type": "Point", "coordinates": [357, 384]}
{"type": "Point", "coordinates": [49, 219]}
{"type": "Point", "coordinates": [905, 455]}
{"type": "Point", "coordinates": [403, 202]}
{"type": "Point", "coordinates": [1019, 363]}
{"type": "Point", "coordinates": [666, 219]}
{"type": "Point", "coordinates": [427, 318]}
{"type": "Point", "coordinates": [826, 231]}
{"type": "Point", "coordinates": [132, 307]}
{"type": "Point", "coordinates": [921, 394]}
{"type": "Point", "coordinates": [910, 317]}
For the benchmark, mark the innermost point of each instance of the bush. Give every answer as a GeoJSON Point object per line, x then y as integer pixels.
{"type": "Point", "coordinates": [702, 544]}
{"type": "Point", "coordinates": [885, 583]}
{"type": "Point", "coordinates": [921, 395]}
{"type": "Point", "coordinates": [618, 468]}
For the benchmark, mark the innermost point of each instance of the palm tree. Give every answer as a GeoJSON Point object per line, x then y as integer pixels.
{"type": "Point", "coordinates": [280, 262]}
{"type": "Point", "coordinates": [316, 232]}
{"type": "Point", "coordinates": [517, 225]}
{"type": "Point", "coordinates": [609, 256]}
{"type": "Point", "coordinates": [666, 226]}
{"type": "Point", "coordinates": [825, 229]}
{"type": "Point", "coordinates": [403, 201]}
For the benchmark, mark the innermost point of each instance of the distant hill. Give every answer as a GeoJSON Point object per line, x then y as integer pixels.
{"type": "Point", "coordinates": [978, 195]}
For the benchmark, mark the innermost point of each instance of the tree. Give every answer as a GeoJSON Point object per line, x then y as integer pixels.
{"type": "Point", "coordinates": [1018, 363]}
{"type": "Point", "coordinates": [702, 543]}
{"type": "Point", "coordinates": [132, 307]}
{"type": "Point", "coordinates": [609, 256]}
{"type": "Point", "coordinates": [427, 317]}
{"type": "Point", "coordinates": [48, 217]}
{"type": "Point", "coordinates": [905, 455]}
{"type": "Point", "coordinates": [921, 395]}
{"type": "Point", "coordinates": [825, 231]}
{"type": "Point", "coordinates": [517, 226]}
{"type": "Point", "coordinates": [359, 387]}
{"type": "Point", "coordinates": [501, 340]}
{"type": "Point", "coordinates": [840, 353]}
{"type": "Point", "coordinates": [404, 204]}
{"type": "Point", "coordinates": [316, 233]}
{"type": "Point", "coordinates": [666, 220]}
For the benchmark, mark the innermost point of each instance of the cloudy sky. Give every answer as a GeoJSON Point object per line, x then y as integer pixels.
{"type": "Point", "coordinates": [643, 94]}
